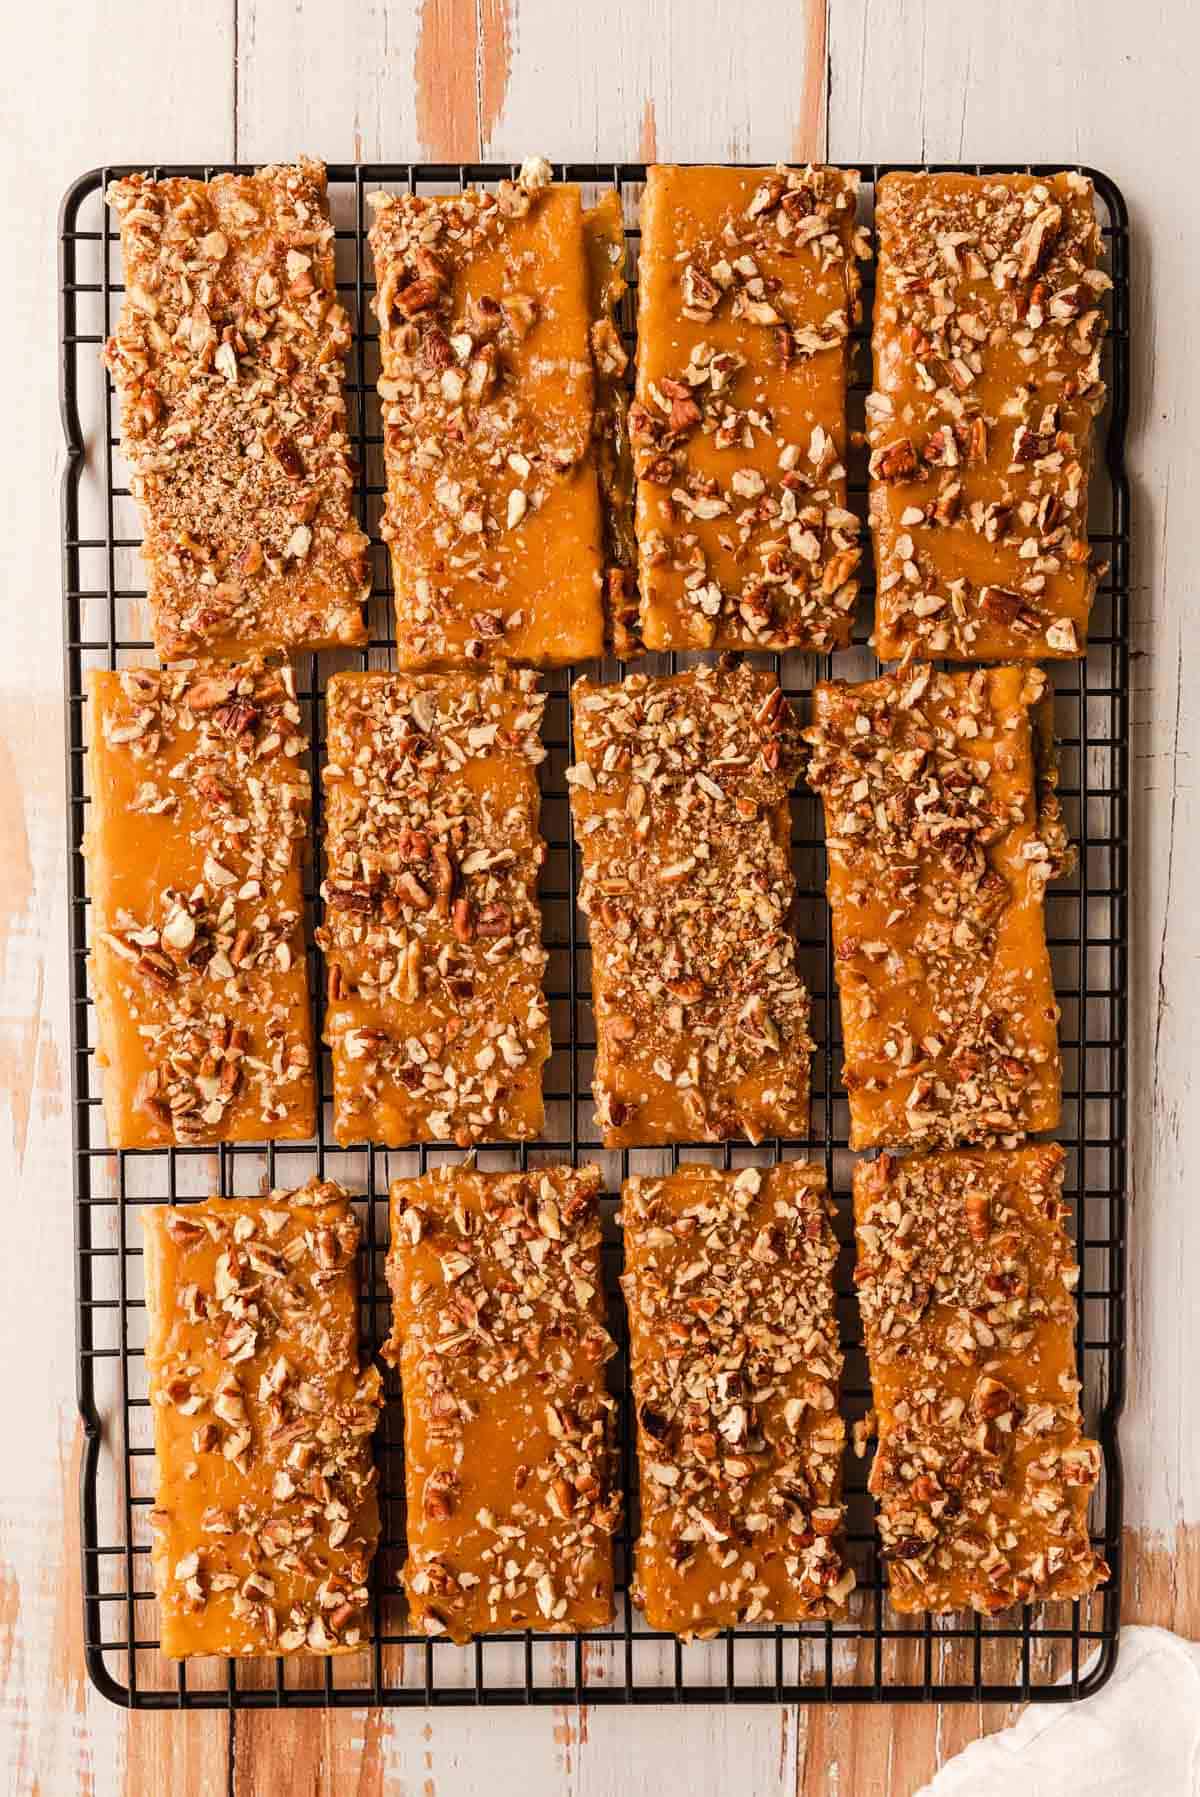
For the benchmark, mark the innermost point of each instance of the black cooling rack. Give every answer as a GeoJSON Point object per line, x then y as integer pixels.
{"type": "Point", "coordinates": [1045, 1653]}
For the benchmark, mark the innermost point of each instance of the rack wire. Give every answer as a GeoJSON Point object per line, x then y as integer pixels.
{"type": "Point", "coordinates": [1042, 1653]}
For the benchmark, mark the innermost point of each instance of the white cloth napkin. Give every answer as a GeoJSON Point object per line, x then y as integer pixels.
{"type": "Point", "coordinates": [1139, 1736]}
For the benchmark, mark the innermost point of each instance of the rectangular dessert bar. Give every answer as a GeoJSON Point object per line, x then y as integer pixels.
{"type": "Point", "coordinates": [493, 509]}
{"type": "Point", "coordinates": [604, 230]}
{"type": "Point", "coordinates": [227, 357]}
{"type": "Point", "coordinates": [983, 1475]}
{"type": "Point", "coordinates": [435, 1013]}
{"type": "Point", "coordinates": [265, 1517]}
{"type": "Point", "coordinates": [500, 1339]}
{"type": "Point", "coordinates": [736, 1366]}
{"type": "Point", "coordinates": [680, 801]}
{"type": "Point", "coordinates": [749, 286]}
{"type": "Point", "coordinates": [195, 849]}
{"type": "Point", "coordinates": [987, 337]}
{"type": "Point", "coordinates": [941, 832]}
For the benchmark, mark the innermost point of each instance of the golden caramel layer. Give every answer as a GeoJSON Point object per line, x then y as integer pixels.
{"type": "Point", "coordinates": [195, 847]}
{"type": "Point", "coordinates": [983, 1475]}
{"type": "Point", "coordinates": [736, 1366]}
{"type": "Point", "coordinates": [493, 511]}
{"type": "Point", "coordinates": [748, 288]}
{"type": "Point", "coordinates": [500, 1339]}
{"type": "Point", "coordinates": [680, 801]}
{"type": "Point", "coordinates": [228, 361]}
{"type": "Point", "coordinates": [939, 854]}
{"type": "Point", "coordinates": [987, 379]}
{"type": "Point", "coordinates": [266, 1516]}
{"type": "Point", "coordinates": [435, 1013]}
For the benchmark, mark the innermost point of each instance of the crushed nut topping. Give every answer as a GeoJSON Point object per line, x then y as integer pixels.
{"type": "Point", "coordinates": [266, 1516]}
{"type": "Point", "coordinates": [435, 1014]}
{"type": "Point", "coordinates": [749, 286]}
{"type": "Point", "coordinates": [605, 233]}
{"type": "Point", "coordinates": [680, 802]}
{"type": "Point", "coordinates": [965, 1280]}
{"type": "Point", "coordinates": [736, 1366]}
{"type": "Point", "coordinates": [200, 793]}
{"type": "Point", "coordinates": [228, 361]}
{"type": "Point", "coordinates": [492, 513]}
{"type": "Point", "coordinates": [940, 844]}
{"type": "Point", "coordinates": [987, 336]}
{"type": "Point", "coordinates": [500, 1339]}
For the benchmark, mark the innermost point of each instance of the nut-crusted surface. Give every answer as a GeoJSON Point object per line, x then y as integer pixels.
{"type": "Point", "coordinates": [966, 1281]}
{"type": "Point", "coordinates": [500, 1339]}
{"type": "Point", "coordinates": [604, 232]}
{"type": "Point", "coordinates": [266, 1516]}
{"type": "Point", "coordinates": [939, 853]}
{"type": "Point", "coordinates": [736, 1366]}
{"type": "Point", "coordinates": [987, 375]}
{"type": "Point", "coordinates": [749, 285]}
{"type": "Point", "coordinates": [680, 800]}
{"type": "Point", "coordinates": [228, 360]}
{"type": "Point", "coordinates": [195, 847]}
{"type": "Point", "coordinates": [493, 512]}
{"type": "Point", "coordinates": [432, 932]}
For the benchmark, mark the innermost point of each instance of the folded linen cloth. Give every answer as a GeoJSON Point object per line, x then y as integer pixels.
{"type": "Point", "coordinates": [1139, 1736]}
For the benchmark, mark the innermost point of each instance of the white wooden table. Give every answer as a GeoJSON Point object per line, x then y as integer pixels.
{"type": "Point", "coordinates": [1080, 80]}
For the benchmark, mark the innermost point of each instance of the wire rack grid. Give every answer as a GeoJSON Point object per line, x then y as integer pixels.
{"type": "Point", "coordinates": [1047, 1653]}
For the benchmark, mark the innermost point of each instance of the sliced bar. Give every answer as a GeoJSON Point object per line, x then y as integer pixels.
{"type": "Point", "coordinates": [604, 230]}
{"type": "Point", "coordinates": [749, 286]}
{"type": "Point", "coordinates": [195, 849]}
{"type": "Point", "coordinates": [983, 1475]}
{"type": "Point", "coordinates": [500, 1339]}
{"type": "Point", "coordinates": [941, 833]}
{"type": "Point", "coordinates": [736, 1366]}
{"type": "Point", "coordinates": [493, 511]}
{"type": "Point", "coordinates": [265, 1517]}
{"type": "Point", "coordinates": [987, 376]}
{"type": "Point", "coordinates": [435, 1013]}
{"type": "Point", "coordinates": [228, 361]}
{"type": "Point", "coordinates": [680, 801]}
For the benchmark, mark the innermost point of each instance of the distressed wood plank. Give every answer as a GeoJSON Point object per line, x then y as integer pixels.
{"type": "Point", "coordinates": [349, 98]}
{"type": "Point", "coordinates": [1162, 1578]}
{"type": "Point", "coordinates": [932, 80]}
{"type": "Point", "coordinates": [111, 97]}
{"type": "Point", "coordinates": [717, 83]}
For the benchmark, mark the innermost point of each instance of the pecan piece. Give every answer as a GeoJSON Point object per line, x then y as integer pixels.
{"type": "Point", "coordinates": [419, 296]}
{"type": "Point", "coordinates": [288, 456]}
{"type": "Point", "coordinates": [897, 461]}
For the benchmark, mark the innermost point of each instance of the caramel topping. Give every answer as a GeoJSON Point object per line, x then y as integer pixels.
{"type": "Point", "coordinates": [200, 807]}
{"type": "Point", "coordinates": [228, 359]}
{"type": "Point", "coordinates": [508, 1429]}
{"type": "Point", "coordinates": [938, 862]}
{"type": "Point", "coordinates": [492, 512]}
{"type": "Point", "coordinates": [987, 336]}
{"type": "Point", "coordinates": [266, 1515]}
{"type": "Point", "coordinates": [749, 285]}
{"type": "Point", "coordinates": [435, 1014]}
{"type": "Point", "coordinates": [965, 1280]}
{"type": "Point", "coordinates": [680, 801]}
{"type": "Point", "coordinates": [736, 1366]}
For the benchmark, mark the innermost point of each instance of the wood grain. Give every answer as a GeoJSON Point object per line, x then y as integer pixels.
{"type": "Point", "coordinates": [461, 73]}
{"type": "Point", "coordinates": [809, 138]}
{"type": "Point", "coordinates": [445, 74]}
{"type": "Point", "coordinates": [353, 101]}
{"type": "Point", "coordinates": [654, 78]}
